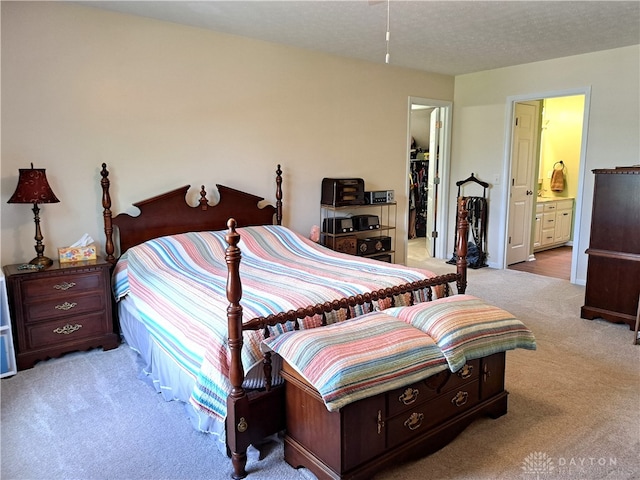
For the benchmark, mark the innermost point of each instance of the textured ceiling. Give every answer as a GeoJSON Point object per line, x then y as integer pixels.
{"type": "Point", "coordinates": [449, 37]}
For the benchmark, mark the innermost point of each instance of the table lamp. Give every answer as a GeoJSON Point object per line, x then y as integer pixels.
{"type": "Point", "coordinates": [34, 188]}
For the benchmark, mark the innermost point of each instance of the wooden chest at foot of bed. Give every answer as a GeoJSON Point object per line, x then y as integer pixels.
{"type": "Point", "coordinates": [365, 436]}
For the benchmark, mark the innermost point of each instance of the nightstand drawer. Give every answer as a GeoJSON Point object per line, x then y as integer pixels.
{"type": "Point", "coordinates": [64, 306]}
{"type": "Point", "coordinates": [67, 330]}
{"type": "Point", "coordinates": [61, 284]}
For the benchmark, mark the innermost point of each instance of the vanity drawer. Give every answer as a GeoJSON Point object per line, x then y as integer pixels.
{"type": "Point", "coordinates": [565, 204]}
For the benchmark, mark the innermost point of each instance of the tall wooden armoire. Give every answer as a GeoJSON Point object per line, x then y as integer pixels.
{"type": "Point", "coordinates": [613, 274]}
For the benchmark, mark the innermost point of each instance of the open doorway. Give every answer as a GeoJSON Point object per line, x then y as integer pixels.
{"type": "Point", "coordinates": [546, 172]}
{"type": "Point", "coordinates": [427, 178]}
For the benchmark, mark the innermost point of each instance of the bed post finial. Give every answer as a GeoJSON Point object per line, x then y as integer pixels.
{"type": "Point", "coordinates": [461, 247]}
{"type": "Point", "coordinates": [278, 196]}
{"type": "Point", "coordinates": [106, 214]}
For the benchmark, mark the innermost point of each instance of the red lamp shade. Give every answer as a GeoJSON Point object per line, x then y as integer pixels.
{"type": "Point", "coordinates": [33, 187]}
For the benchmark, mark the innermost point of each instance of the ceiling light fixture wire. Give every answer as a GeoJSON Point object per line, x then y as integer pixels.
{"type": "Point", "coordinates": [386, 58]}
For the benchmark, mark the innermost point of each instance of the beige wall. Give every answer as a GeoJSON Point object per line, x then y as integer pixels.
{"type": "Point", "coordinates": [479, 136]}
{"type": "Point", "coordinates": [166, 105]}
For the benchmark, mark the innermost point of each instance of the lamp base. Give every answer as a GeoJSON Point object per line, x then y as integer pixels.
{"type": "Point", "coordinates": [42, 260]}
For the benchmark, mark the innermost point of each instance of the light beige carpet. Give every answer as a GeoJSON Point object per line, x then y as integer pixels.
{"type": "Point", "coordinates": [574, 409]}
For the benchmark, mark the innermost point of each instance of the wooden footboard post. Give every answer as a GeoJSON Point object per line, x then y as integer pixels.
{"type": "Point", "coordinates": [106, 214]}
{"type": "Point", "coordinates": [237, 402]}
{"type": "Point", "coordinates": [278, 196]}
{"type": "Point", "coordinates": [461, 247]}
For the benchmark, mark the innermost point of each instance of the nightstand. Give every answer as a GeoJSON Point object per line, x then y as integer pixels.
{"type": "Point", "coordinates": [60, 309]}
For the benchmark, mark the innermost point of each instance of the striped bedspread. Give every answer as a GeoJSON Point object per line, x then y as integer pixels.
{"type": "Point", "coordinates": [178, 284]}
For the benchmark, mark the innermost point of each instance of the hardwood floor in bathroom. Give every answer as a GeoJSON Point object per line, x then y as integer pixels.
{"type": "Point", "coordinates": [549, 263]}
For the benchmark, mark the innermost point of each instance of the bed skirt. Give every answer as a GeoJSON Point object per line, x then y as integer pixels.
{"type": "Point", "coordinates": [167, 377]}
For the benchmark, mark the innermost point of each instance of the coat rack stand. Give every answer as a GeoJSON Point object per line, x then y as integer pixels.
{"type": "Point", "coordinates": [477, 218]}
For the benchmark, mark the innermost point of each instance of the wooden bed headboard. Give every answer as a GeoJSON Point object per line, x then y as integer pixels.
{"type": "Point", "coordinates": [170, 214]}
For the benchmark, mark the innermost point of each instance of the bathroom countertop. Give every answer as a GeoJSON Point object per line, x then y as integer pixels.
{"type": "Point", "coordinates": [551, 199]}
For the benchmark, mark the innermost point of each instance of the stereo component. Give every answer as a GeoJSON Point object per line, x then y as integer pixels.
{"type": "Point", "coordinates": [337, 225]}
{"type": "Point", "coordinates": [379, 196]}
{"type": "Point", "coordinates": [366, 222]}
{"type": "Point", "coordinates": [341, 192]}
{"type": "Point", "coordinates": [367, 246]}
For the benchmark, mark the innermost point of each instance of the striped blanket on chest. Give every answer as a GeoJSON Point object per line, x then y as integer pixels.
{"type": "Point", "coordinates": [381, 351]}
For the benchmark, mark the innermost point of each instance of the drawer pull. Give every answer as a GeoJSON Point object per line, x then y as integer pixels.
{"type": "Point", "coordinates": [486, 374]}
{"type": "Point", "coordinates": [460, 399]}
{"type": "Point", "coordinates": [380, 422]}
{"type": "Point", "coordinates": [466, 371]}
{"type": "Point", "coordinates": [414, 421]}
{"type": "Point", "coordinates": [409, 396]}
{"type": "Point", "coordinates": [66, 306]}
{"type": "Point", "coordinates": [68, 329]}
{"type": "Point", "coordinates": [64, 286]}
{"type": "Point", "coordinates": [242, 425]}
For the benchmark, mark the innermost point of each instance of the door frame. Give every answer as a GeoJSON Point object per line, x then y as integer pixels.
{"type": "Point", "coordinates": [506, 167]}
{"type": "Point", "coordinates": [442, 210]}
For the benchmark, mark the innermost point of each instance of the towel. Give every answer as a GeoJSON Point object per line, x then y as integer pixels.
{"type": "Point", "coordinates": [557, 180]}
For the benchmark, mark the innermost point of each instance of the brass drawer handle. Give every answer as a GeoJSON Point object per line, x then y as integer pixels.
{"type": "Point", "coordinates": [486, 374]}
{"type": "Point", "coordinates": [66, 306]}
{"type": "Point", "coordinates": [242, 425]}
{"type": "Point", "coordinates": [67, 329]}
{"type": "Point", "coordinates": [466, 371]}
{"type": "Point", "coordinates": [64, 286]}
{"type": "Point", "coordinates": [409, 396]}
{"type": "Point", "coordinates": [460, 399]}
{"type": "Point", "coordinates": [380, 422]}
{"type": "Point", "coordinates": [414, 421]}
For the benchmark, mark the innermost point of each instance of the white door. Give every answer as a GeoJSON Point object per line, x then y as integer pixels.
{"type": "Point", "coordinates": [523, 161]}
{"type": "Point", "coordinates": [433, 180]}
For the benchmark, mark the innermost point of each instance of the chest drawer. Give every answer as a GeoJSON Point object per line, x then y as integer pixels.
{"type": "Point", "coordinates": [405, 398]}
{"type": "Point", "coordinates": [63, 306]}
{"type": "Point", "coordinates": [431, 413]}
{"type": "Point", "coordinates": [60, 285]}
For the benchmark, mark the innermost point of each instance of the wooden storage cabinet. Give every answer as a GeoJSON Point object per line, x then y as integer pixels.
{"type": "Point", "coordinates": [60, 309]}
{"type": "Point", "coordinates": [613, 269]}
{"type": "Point", "coordinates": [399, 424]}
